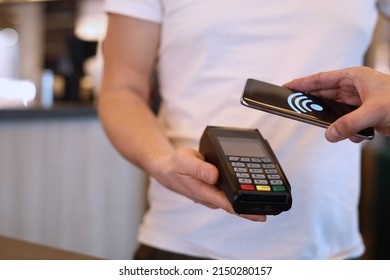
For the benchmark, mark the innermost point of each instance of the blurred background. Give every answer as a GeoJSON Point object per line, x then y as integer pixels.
{"type": "Point", "coordinates": [53, 44]}
{"type": "Point", "coordinates": [61, 182]}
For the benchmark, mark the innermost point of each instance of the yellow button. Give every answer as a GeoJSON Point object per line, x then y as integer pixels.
{"type": "Point", "coordinates": [263, 188]}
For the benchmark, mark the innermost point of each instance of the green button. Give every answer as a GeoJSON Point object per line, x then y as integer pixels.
{"type": "Point", "coordinates": [278, 188]}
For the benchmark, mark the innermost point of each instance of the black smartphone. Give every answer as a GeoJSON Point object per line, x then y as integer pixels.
{"type": "Point", "coordinates": [299, 106]}
{"type": "Point", "coordinates": [249, 172]}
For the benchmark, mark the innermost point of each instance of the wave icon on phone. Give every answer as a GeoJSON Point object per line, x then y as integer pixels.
{"type": "Point", "coordinates": [302, 104]}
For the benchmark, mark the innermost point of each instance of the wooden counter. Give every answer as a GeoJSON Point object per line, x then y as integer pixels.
{"type": "Point", "coordinates": [13, 249]}
{"type": "Point", "coordinates": [58, 111]}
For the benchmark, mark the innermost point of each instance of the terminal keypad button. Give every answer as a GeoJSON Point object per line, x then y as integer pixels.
{"type": "Point", "coordinates": [257, 174]}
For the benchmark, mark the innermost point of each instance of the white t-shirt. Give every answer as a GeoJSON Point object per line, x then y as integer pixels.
{"type": "Point", "coordinates": [208, 50]}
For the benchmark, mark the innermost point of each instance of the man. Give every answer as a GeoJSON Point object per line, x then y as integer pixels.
{"type": "Point", "coordinates": [203, 52]}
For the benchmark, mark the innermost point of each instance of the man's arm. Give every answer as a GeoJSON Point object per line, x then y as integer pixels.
{"type": "Point", "coordinates": [130, 52]}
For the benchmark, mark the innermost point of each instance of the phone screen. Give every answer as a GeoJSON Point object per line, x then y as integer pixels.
{"type": "Point", "coordinates": [242, 146]}
{"type": "Point", "coordinates": [296, 105]}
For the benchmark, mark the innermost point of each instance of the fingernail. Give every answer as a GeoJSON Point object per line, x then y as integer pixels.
{"type": "Point", "coordinates": [334, 132]}
{"type": "Point", "coordinates": [262, 219]}
{"type": "Point", "coordinates": [208, 177]}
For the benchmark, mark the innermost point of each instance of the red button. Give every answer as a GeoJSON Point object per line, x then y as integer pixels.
{"type": "Point", "coordinates": [248, 187]}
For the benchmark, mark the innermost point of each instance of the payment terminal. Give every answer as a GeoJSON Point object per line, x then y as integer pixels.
{"type": "Point", "coordinates": [249, 173]}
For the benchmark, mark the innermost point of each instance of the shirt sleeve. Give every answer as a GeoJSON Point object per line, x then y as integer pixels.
{"type": "Point", "coordinates": [143, 9]}
{"type": "Point", "coordinates": [384, 7]}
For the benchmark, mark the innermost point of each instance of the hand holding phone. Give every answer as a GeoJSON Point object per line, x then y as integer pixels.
{"type": "Point", "coordinates": [296, 105]}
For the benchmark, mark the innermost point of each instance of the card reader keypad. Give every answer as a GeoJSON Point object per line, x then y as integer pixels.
{"type": "Point", "coordinates": [257, 174]}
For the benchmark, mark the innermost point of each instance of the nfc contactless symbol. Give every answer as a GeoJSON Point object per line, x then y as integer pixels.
{"type": "Point", "coordinates": [302, 104]}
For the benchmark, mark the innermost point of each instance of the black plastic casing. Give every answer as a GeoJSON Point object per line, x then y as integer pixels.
{"type": "Point", "coordinates": [243, 202]}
